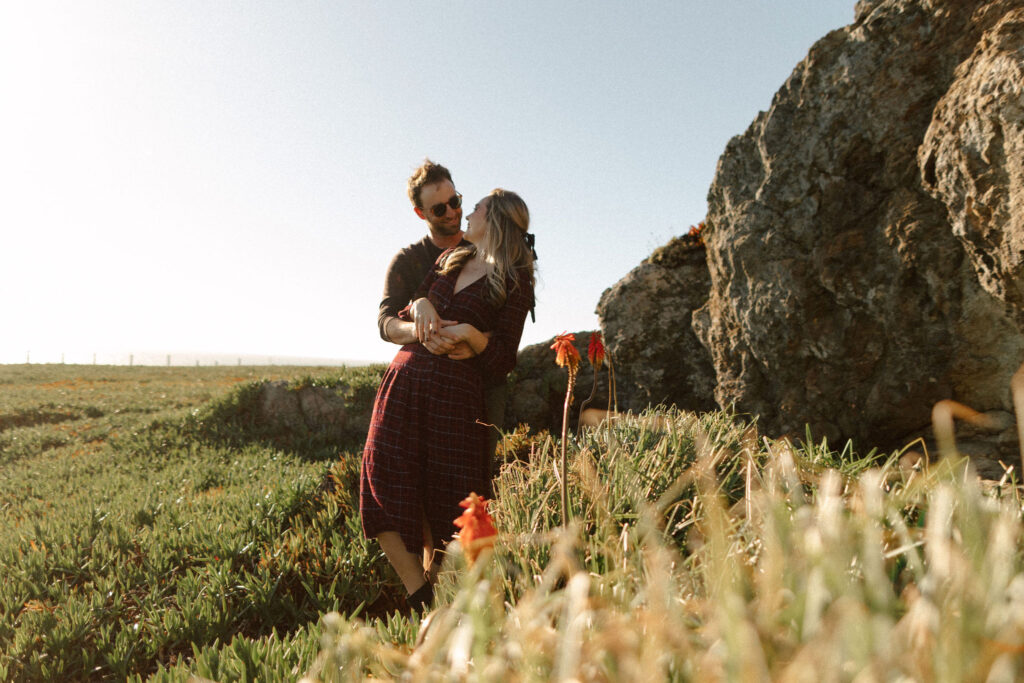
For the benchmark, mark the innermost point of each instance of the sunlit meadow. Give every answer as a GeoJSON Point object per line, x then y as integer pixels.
{"type": "Point", "coordinates": [154, 530]}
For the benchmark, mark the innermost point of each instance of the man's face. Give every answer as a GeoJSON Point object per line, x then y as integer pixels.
{"type": "Point", "coordinates": [433, 198]}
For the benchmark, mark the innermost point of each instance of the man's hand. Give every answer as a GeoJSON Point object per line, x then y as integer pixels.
{"type": "Point", "coordinates": [451, 346]}
{"type": "Point", "coordinates": [459, 336]}
{"type": "Point", "coordinates": [438, 346]}
{"type": "Point", "coordinates": [461, 351]}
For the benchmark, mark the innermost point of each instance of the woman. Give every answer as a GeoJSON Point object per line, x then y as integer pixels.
{"type": "Point", "coordinates": [424, 451]}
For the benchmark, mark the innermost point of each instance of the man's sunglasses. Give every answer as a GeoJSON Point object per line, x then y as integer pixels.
{"type": "Point", "coordinates": [439, 210]}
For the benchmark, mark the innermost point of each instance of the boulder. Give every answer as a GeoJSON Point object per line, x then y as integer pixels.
{"type": "Point", "coordinates": [863, 242]}
{"type": "Point", "coordinates": [646, 321]}
{"type": "Point", "coordinates": [332, 412]}
{"type": "Point", "coordinates": [279, 406]}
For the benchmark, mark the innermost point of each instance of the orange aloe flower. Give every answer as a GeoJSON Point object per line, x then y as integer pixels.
{"type": "Point", "coordinates": [696, 233]}
{"type": "Point", "coordinates": [478, 530]}
{"type": "Point", "coordinates": [595, 350]}
{"type": "Point", "coordinates": [566, 354]}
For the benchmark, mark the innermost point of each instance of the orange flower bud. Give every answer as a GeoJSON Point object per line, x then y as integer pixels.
{"type": "Point", "coordinates": [478, 530]}
{"type": "Point", "coordinates": [566, 354]}
{"type": "Point", "coordinates": [595, 350]}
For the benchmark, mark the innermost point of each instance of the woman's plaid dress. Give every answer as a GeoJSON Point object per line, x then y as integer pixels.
{"type": "Point", "coordinates": [425, 448]}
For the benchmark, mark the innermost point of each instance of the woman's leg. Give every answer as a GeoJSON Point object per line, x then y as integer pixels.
{"type": "Point", "coordinates": [408, 566]}
{"type": "Point", "coordinates": [428, 553]}
{"type": "Point", "coordinates": [431, 571]}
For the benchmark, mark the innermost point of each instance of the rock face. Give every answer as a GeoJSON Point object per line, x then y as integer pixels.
{"type": "Point", "coordinates": [334, 413]}
{"type": "Point", "coordinates": [304, 408]}
{"type": "Point", "coordinates": [972, 159]}
{"type": "Point", "coordinates": [864, 236]}
{"type": "Point", "coordinates": [646, 320]}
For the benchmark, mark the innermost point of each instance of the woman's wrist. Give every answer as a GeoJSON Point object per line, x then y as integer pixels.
{"type": "Point", "coordinates": [414, 307]}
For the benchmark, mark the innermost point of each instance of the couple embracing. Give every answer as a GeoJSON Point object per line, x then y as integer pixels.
{"type": "Point", "coordinates": [456, 301]}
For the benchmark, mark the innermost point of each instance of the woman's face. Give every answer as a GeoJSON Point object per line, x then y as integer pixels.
{"type": "Point", "coordinates": [476, 222]}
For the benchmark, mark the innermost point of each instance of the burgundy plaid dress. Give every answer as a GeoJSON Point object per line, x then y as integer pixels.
{"type": "Point", "coordinates": [425, 450]}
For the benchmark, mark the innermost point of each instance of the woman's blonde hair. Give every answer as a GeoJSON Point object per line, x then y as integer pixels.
{"type": "Point", "coordinates": [504, 247]}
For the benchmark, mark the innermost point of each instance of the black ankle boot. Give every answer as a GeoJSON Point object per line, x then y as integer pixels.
{"type": "Point", "coordinates": [422, 599]}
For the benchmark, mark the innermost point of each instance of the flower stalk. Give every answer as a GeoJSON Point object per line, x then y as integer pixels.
{"type": "Point", "coordinates": [595, 354]}
{"type": "Point", "coordinates": [613, 392]}
{"type": "Point", "coordinates": [600, 355]}
{"type": "Point", "coordinates": [566, 356]}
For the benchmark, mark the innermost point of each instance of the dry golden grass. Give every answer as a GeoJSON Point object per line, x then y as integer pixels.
{"type": "Point", "coordinates": [756, 561]}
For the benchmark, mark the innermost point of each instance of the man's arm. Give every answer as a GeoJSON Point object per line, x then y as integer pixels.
{"type": "Point", "coordinates": [411, 269]}
{"type": "Point", "coordinates": [398, 291]}
{"type": "Point", "coordinates": [398, 331]}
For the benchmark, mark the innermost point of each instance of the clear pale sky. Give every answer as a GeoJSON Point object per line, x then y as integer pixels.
{"type": "Point", "coordinates": [229, 176]}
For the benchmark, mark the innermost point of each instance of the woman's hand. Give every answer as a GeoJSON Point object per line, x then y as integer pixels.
{"type": "Point", "coordinates": [424, 316]}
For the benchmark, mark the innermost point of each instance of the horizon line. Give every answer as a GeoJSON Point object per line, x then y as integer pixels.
{"type": "Point", "coordinates": [179, 359]}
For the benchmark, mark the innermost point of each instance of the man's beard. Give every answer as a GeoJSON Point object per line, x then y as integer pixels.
{"type": "Point", "coordinates": [445, 229]}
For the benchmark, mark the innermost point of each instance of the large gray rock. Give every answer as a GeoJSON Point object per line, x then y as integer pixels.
{"type": "Point", "coordinates": [864, 236]}
{"type": "Point", "coordinates": [841, 296]}
{"type": "Point", "coordinates": [646, 320]}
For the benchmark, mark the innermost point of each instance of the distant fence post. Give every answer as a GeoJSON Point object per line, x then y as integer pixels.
{"type": "Point", "coordinates": [131, 359]}
{"type": "Point", "coordinates": [94, 358]}
{"type": "Point", "coordinates": [168, 360]}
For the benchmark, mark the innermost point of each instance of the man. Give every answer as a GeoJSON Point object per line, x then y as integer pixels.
{"type": "Point", "coordinates": [436, 202]}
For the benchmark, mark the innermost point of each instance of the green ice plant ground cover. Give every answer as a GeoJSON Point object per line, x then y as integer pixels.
{"type": "Point", "coordinates": [165, 534]}
{"type": "Point", "coordinates": [147, 519]}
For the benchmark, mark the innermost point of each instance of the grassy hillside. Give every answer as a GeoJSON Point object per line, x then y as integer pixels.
{"type": "Point", "coordinates": [152, 529]}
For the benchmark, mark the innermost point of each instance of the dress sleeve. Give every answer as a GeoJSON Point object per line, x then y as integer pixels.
{"type": "Point", "coordinates": [499, 358]}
